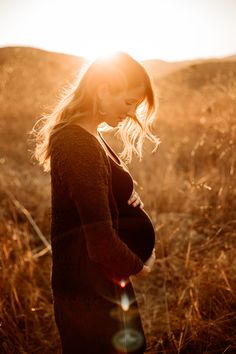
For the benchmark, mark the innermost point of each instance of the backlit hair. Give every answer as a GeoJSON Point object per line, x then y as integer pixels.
{"type": "Point", "coordinates": [119, 72]}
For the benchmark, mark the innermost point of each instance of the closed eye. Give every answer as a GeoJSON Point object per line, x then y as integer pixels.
{"type": "Point", "coordinates": [129, 102]}
{"type": "Point", "coordinates": [137, 102]}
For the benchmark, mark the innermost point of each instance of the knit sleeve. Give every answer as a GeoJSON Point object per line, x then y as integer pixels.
{"type": "Point", "coordinates": [84, 171]}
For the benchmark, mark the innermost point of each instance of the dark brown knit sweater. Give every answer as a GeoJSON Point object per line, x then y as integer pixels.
{"type": "Point", "coordinates": [84, 223]}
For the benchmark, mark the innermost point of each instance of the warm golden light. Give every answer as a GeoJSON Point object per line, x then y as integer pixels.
{"type": "Point", "coordinates": [146, 30]}
{"type": "Point", "coordinates": [103, 54]}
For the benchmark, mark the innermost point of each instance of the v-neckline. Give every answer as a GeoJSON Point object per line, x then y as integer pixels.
{"type": "Point", "coordinates": [109, 151]}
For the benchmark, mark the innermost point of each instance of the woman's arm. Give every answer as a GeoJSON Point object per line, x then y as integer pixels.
{"type": "Point", "coordinates": [83, 170]}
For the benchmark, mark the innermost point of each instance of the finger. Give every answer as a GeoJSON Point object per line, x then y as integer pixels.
{"type": "Point", "coordinates": [136, 203]}
{"type": "Point", "coordinates": [131, 200]}
{"type": "Point", "coordinates": [141, 205]}
{"type": "Point", "coordinates": [134, 195]}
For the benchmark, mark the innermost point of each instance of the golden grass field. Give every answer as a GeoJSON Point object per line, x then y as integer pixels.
{"type": "Point", "coordinates": [188, 303]}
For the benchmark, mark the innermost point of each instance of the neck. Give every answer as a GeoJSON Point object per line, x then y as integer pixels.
{"type": "Point", "coordinates": [90, 129]}
{"type": "Point", "coordinates": [90, 124]}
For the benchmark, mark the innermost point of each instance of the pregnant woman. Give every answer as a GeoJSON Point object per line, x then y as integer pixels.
{"type": "Point", "coordinates": [100, 233]}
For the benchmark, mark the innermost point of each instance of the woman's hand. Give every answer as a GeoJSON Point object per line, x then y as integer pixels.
{"type": "Point", "coordinates": [151, 260]}
{"type": "Point", "coordinates": [143, 273]}
{"type": "Point", "coordinates": [148, 265]}
{"type": "Point", "coordinates": [135, 200]}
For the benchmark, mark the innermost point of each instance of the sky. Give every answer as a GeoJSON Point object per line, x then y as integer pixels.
{"type": "Point", "coordinates": [169, 30]}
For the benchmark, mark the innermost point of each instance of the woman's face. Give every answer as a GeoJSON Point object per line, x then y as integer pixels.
{"type": "Point", "coordinates": [117, 107]}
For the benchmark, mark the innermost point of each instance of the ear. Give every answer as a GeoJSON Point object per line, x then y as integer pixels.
{"type": "Point", "coordinates": [102, 91]}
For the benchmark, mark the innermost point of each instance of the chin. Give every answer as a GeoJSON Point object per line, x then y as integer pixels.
{"type": "Point", "coordinates": [113, 124]}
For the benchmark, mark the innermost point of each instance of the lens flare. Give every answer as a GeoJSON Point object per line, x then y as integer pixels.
{"type": "Point", "coordinates": [127, 340]}
{"type": "Point", "coordinates": [118, 314]}
{"type": "Point", "coordinates": [124, 282]}
{"type": "Point", "coordinates": [124, 302]}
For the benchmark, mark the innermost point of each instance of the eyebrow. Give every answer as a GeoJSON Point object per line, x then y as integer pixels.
{"type": "Point", "coordinates": [132, 99]}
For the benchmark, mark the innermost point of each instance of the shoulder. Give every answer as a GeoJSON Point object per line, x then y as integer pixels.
{"type": "Point", "coordinates": [72, 141]}
{"type": "Point", "coordinates": [73, 134]}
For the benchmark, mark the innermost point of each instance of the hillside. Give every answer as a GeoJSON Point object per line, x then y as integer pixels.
{"type": "Point", "coordinates": [30, 82]}
{"type": "Point", "coordinates": [201, 87]}
{"type": "Point", "coordinates": [160, 68]}
{"type": "Point", "coordinates": [30, 78]}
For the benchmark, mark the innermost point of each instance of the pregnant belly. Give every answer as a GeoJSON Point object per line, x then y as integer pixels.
{"type": "Point", "coordinates": [136, 230]}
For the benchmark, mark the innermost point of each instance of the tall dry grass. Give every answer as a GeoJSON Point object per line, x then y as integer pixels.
{"type": "Point", "coordinates": [188, 302]}
{"type": "Point", "coordinates": [189, 187]}
{"type": "Point", "coordinates": [26, 321]}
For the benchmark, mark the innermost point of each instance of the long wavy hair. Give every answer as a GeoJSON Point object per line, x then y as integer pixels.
{"type": "Point", "coordinates": [79, 101]}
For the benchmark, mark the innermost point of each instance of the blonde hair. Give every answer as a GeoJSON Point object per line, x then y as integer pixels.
{"type": "Point", "coordinates": [79, 100]}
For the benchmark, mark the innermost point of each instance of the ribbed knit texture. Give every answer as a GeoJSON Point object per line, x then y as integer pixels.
{"type": "Point", "coordinates": [84, 213]}
{"type": "Point", "coordinates": [88, 228]}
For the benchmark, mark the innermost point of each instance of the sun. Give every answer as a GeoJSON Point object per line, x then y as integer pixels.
{"type": "Point", "coordinates": [101, 52]}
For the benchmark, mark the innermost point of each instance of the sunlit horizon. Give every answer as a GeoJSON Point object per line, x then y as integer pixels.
{"type": "Point", "coordinates": [92, 55]}
{"type": "Point", "coordinates": [151, 29]}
